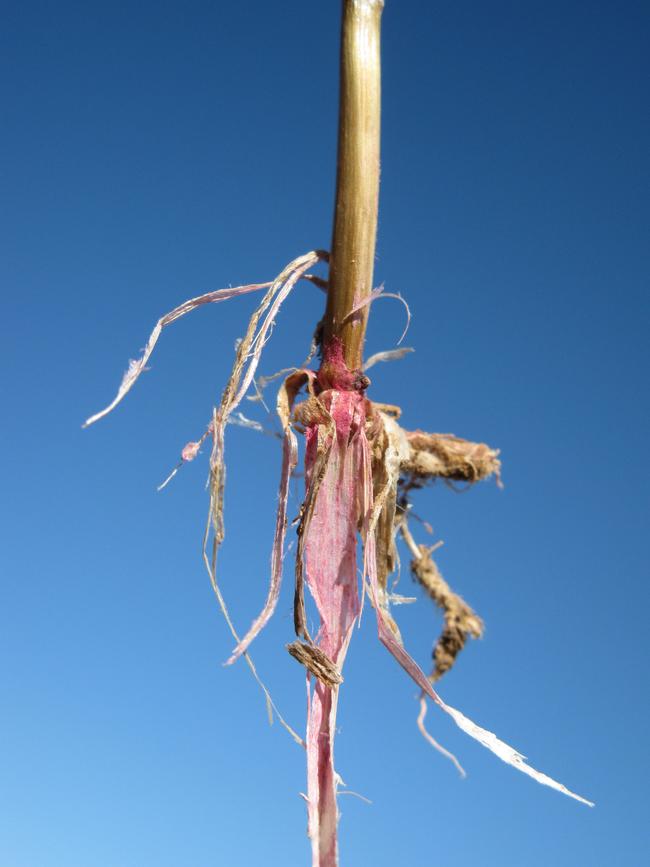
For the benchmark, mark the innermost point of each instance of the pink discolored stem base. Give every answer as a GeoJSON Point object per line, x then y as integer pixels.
{"type": "Point", "coordinates": [331, 571]}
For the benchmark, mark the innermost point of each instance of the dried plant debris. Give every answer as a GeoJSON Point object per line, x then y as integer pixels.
{"type": "Point", "coordinates": [449, 457]}
{"type": "Point", "coordinates": [136, 367]}
{"type": "Point", "coordinates": [361, 468]}
{"type": "Point", "coordinates": [460, 621]}
{"type": "Point", "coordinates": [455, 459]}
{"type": "Point", "coordinates": [445, 456]}
{"type": "Point", "coordinates": [379, 293]}
{"type": "Point", "coordinates": [387, 355]}
{"type": "Point", "coordinates": [316, 662]}
{"type": "Point", "coordinates": [286, 398]}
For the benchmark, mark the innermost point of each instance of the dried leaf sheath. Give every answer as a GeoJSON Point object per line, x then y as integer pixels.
{"type": "Point", "coordinates": [331, 575]}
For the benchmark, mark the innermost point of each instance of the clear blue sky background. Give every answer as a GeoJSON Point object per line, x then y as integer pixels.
{"type": "Point", "coordinates": [153, 151]}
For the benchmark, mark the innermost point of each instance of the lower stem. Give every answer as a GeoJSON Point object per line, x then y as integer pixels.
{"type": "Point", "coordinates": [321, 792]}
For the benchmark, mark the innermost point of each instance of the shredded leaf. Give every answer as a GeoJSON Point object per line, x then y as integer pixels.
{"type": "Point", "coordinates": [286, 397]}
{"type": "Point", "coordinates": [136, 367]}
{"type": "Point", "coordinates": [247, 359]}
{"type": "Point", "coordinates": [379, 293]}
{"type": "Point", "coordinates": [434, 743]}
{"type": "Point", "coordinates": [387, 355]}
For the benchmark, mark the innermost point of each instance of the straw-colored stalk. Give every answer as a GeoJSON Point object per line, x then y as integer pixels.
{"type": "Point", "coordinates": [352, 254]}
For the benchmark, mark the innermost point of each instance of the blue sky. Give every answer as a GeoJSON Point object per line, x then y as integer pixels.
{"type": "Point", "coordinates": [151, 152]}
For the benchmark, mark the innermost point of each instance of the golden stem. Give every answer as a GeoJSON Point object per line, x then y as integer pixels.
{"type": "Point", "coordinates": [357, 178]}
